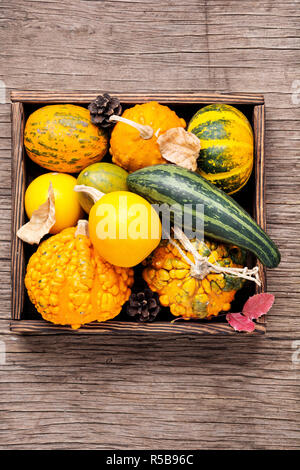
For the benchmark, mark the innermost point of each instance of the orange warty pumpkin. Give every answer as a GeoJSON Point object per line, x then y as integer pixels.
{"type": "Point", "coordinates": [132, 152]}
{"type": "Point", "coordinates": [187, 295]}
{"type": "Point", "coordinates": [70, 284]}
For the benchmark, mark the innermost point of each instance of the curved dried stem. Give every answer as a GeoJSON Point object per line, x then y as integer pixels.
{"type": "Point", "coordinates": [146, 132]}
{"type": "Point", "coordinates": [201, 266]}
{"type": "Point", "coordinates": [94, 193]}
{"type": "Point", "coordinates": [82, 228]}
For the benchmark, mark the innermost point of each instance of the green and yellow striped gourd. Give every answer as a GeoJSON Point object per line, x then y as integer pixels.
{"type": "Point", "coordinates": [226, 137]}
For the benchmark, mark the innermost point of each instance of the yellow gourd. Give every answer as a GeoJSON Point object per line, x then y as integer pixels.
{"type": "Point", "coordinates": [67, 206]}
{"type": "Point", "coordinates": [124, 228]}
{"type": "Point", "coordinates": [189, 296]}
{"type": "Point", "coordinates": [132, 151]}
{"type": "Point", "coordinates": [70, 284]}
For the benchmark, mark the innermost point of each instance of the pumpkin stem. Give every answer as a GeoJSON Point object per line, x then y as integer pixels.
{"type": "Point", "coordinates": [82, 228]}
{"type": "Point", "coordinates": [146, 132]}
{"type": "Point", "coordinates": [94, 193]}
{"type": "Point", "coordinates": [176, 319]}
{"type": "Point", "coordinates": [201, 266]}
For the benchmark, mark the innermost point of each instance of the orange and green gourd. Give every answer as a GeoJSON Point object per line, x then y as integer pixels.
{"type": "Point", "coordinates": [131, 151]}
{"type": "Point", "coordinates": [70, 284]}
{"type": "Point", "coordinates": [226, 138]}
{"type": "Point", "coordinates": [169, 274]}
{"type": "Point", "coordinates": [62, 138]}
{"type": "Point", "coordinates": [106, 177]}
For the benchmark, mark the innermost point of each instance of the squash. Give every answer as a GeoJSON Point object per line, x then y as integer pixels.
{"type": "Point", "coordinates": [124, 228]}
{"type": "Point", "coordinates": [106, 177]}
{"type": "Point", "coordinates": [188, 296]}
{"type": "Point", "coordinates": [70, 284]}
{"type": "Point", "coordinates": [226, 137]}
{"type": "Point", "coordinates": [224, 218]}
{"type": "Point", "coordinates": [62, 138]}
{"type": "Point", "coordinates": [131, 151]}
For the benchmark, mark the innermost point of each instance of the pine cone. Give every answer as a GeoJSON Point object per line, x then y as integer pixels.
{"type": "Point", "coordinates": [102, 108]}
{"type": "Point", "coordinates": [143, 305]}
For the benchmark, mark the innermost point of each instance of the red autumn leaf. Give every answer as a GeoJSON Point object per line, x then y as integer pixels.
{"type": "Point", "coordinates": [239, 322]}
{"type": "Point", "coordinates": [258, 305]}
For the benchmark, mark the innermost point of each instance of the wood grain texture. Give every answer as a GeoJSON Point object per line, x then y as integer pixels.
{"type": "Point", "coordinates": [259, 205]}
{"type": "Point", "coordinates": [83, 98]}
{"type": "Point", "coordinates": [18, 219]}
{"type": "Point", "coordinates": [115, 392]}
{"type": "Point", "coordinates": [164, 393]}
{"type": "Point", "coordinates": [130, 328]}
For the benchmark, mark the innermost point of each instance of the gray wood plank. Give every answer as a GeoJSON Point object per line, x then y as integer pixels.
{"type": "Point", "coordinates": [115, 392]}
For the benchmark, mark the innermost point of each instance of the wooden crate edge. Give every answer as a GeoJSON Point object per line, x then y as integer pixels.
{"type": "Point", "coordinates": [18, 183]}
{"type": "Point", "coordinates": [171, 97]}
{"type": "Point", "coordinates": [18, 97]}
{"type": "Point", "coordinates": [217, 329]}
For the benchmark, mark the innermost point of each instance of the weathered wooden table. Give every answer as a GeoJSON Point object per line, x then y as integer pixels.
{"type": "Point", "coordinates": [120, 392]}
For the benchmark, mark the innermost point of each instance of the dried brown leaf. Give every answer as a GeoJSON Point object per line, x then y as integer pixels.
{"type": "Point", "coordinates": [41, 221]}
{"type": "Point", "coordinates": [180, 147]}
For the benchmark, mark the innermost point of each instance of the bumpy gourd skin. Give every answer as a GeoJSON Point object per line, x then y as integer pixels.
{"type": "Point", "coordinates": [128, 149]}
{"type": "Point", "coordinates": [69, 284]}
{"type": "Point", "coordinates": [188, 297]}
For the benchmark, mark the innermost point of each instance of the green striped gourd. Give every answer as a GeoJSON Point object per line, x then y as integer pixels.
{"type": "Point", "coordinates": [224, 219]}
{"type": "Point", "coordinates": [226, 137]}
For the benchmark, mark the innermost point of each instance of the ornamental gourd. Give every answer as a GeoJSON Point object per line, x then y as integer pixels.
{"type": "Point", "coordinates": [224, 218]}
{"type": "Point", "coordinates": [70, 284]}
{"type": "Point", "coordinates": [131, 149]}
{"type": "Point", "coordinates": [67, 206]}
{"type": "Point", "coordinates": [226, 137]}
{"type": "Point", "coordinates": [62, 138]}
{"type": "Point", "coordinates": [189, 296]}
{"type": "Point", "coordinates": [106, 177]}
{"type": "Point", "coordinates": [124, 228]}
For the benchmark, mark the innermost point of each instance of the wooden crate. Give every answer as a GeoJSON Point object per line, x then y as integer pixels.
{"type": "Point", "coordinates": [22, 168]}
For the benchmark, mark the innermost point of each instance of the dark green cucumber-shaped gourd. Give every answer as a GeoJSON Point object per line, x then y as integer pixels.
{"type": "Point", "coordinates": [224, 219]}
